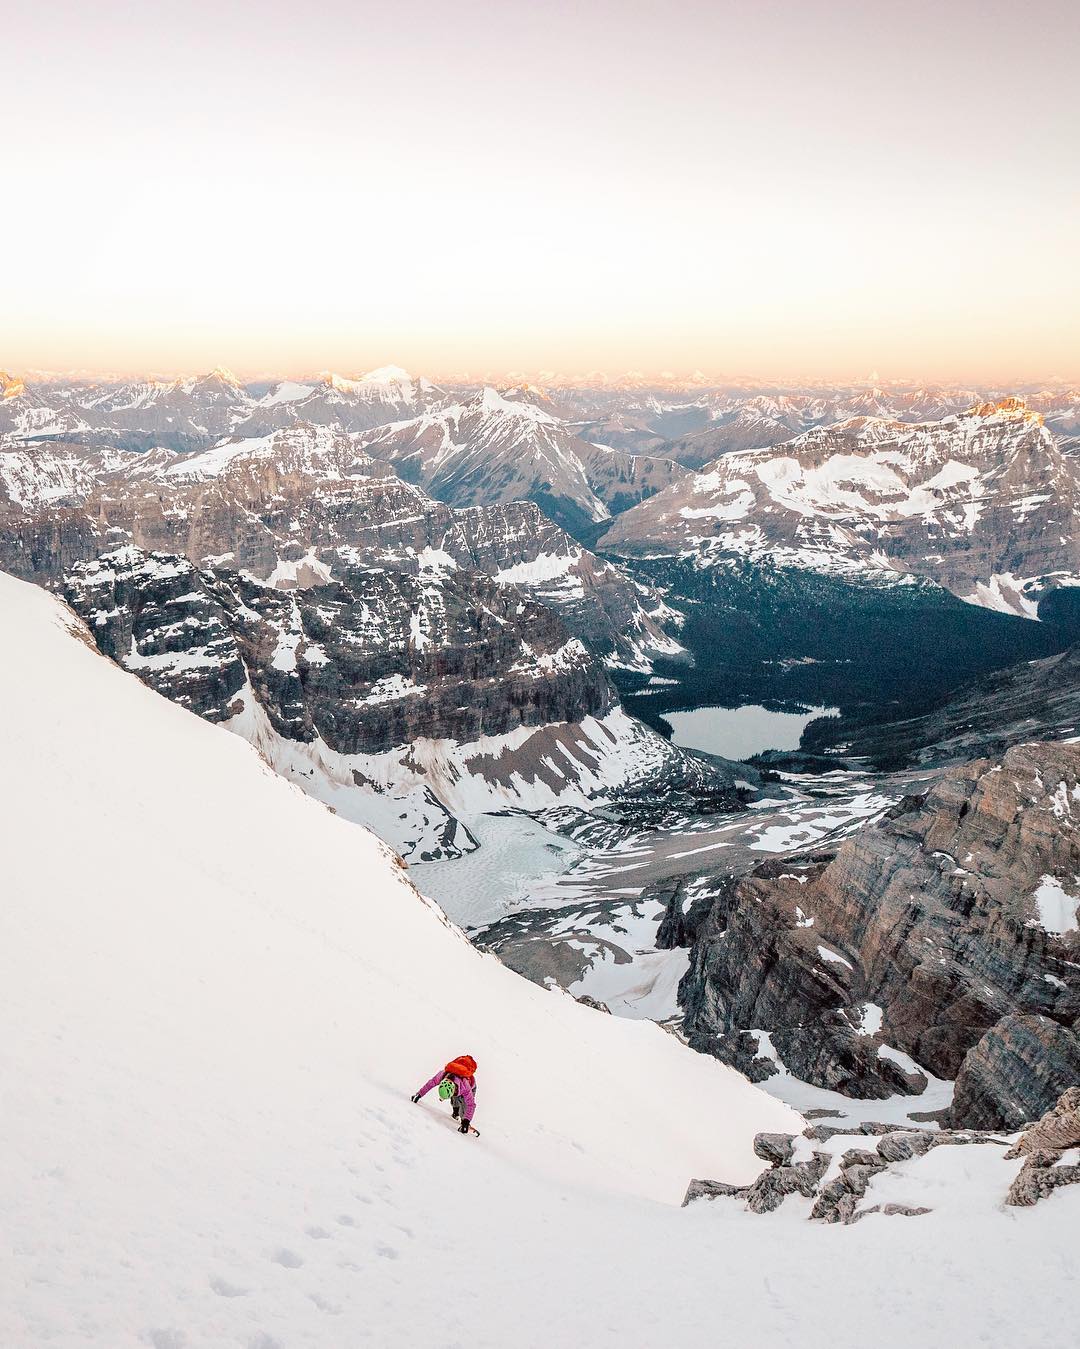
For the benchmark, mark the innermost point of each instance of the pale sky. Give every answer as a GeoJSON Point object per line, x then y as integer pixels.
{"type": "Point", "coordinates": [772, 187]}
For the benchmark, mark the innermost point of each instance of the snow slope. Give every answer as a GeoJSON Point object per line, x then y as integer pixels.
{"type": "Point", "coordinates": [221, 998]}
{"type": "Point", "coordinates": [216, 998]}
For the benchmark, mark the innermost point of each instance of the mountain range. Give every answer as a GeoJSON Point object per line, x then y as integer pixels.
{"type": "Point", "coordinates": [455, 617]}
{"type": "Point", "coordinates": [985, 503]}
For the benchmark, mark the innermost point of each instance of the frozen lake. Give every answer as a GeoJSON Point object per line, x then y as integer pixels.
{"type": "Point", "coordinates": [515, 855]}
{"type": "Point", "coordinates": [739, 732]}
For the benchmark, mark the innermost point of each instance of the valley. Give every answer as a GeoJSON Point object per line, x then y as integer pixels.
{"type": "Point", "coordinates": [594, 686]}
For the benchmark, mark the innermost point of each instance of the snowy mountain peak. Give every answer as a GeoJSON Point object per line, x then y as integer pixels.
{"type": "Point", "coordinates": [287, 391]}
{"type": "Point", "coordinates": [491, 400]}
{"type": "Point", "coordinates": [223, 375]}
{"type": "Point", "coordinates": [387, 374]}
{"type": "Point", "coordinates": [1015, 408]}
{"type": "Point", "coordinates": [338, 382]}
{"type": "Point", "coordinates": [11, 386]}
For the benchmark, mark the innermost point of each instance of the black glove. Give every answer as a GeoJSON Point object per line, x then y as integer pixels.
{"type": "Point", "coordinates": [463, 1127]}
{"type": "Point", "coordinates": [415, 1099]}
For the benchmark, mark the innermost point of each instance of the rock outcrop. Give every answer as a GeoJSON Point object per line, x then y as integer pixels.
{"type": "Point", "coordinates": [1016, 1071]}
{"type": "Point", "coordinates": [837, 1177]}
{"type": "Point", "coordinates": [944, 936]}
{"type": "Point", "coordinates": [1043, 1147]}
{"type": "Point", "coordinates": [1058, 1129]}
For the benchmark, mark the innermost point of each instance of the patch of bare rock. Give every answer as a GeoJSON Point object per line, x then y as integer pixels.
{"type": "Point", "coordinates": [837, 1182]}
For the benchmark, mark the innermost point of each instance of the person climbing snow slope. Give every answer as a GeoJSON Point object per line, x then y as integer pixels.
{"type": "Point", "coordinates": [457, 1084]}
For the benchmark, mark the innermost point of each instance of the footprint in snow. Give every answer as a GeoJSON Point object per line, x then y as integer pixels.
{"type": "Point", "coordinates": [318, 1233]}
{"type": "Point", "coordinates": [224, 1288]}
{"type": "Point", "coordinates": [287, 1258]}
{"type": "Point", "coordinates": [386, 1252]}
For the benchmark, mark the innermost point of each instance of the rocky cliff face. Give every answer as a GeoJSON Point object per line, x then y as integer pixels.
{"type": "Point", "coordinates": [1017, 1066]}
{"type": "Point", "coordinates": [985, 504]}
{"type": "Point", "coordinates": [298, 507]}
{"type": "Point", "coordinates": [403, 700]}
{"type": "Point", "coordinates": [913, 945]}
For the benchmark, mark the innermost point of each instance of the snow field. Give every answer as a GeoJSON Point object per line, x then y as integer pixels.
{"type": "Point", "coordinates": [219, 997]}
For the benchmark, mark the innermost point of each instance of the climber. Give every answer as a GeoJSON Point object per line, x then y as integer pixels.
{"type": "Point", "coordinates": [457, 1084]}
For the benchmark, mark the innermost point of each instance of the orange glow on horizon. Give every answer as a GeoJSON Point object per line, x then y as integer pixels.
{"type": "Point", "coordinates": [505, 187]}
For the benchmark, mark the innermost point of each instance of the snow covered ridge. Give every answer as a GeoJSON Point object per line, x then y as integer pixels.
{"type": "Point", "coordinates": [352, 405]}
{"type": "Point", "coordinates": [405, 701]}
{"type": "Point", "coordinates": [984, 503]}
{"type": "Point", "coordinates": [209, 1051]}
{"type": "Point", "coordinates": [188, 414]}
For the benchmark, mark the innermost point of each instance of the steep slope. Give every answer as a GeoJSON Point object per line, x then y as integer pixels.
{"type": "Point", "coordinates": [621, 479]}
{"type": "Point", "coordinates": [1036, 700]}
{"type": "Point", "coordinates": [208, 1053]}
{"type": "Point", "coordinates": [984, 504]}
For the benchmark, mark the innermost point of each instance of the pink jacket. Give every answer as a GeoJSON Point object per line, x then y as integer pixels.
{"type": "Point", "coordinates": [464, 1088]}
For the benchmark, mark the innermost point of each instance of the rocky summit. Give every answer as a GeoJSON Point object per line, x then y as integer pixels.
{"type": "Point", "coordinates": [945, 935]}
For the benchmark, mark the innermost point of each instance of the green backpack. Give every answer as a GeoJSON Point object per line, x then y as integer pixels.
{"type": "Point", "coordinates": [446, 1089]}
